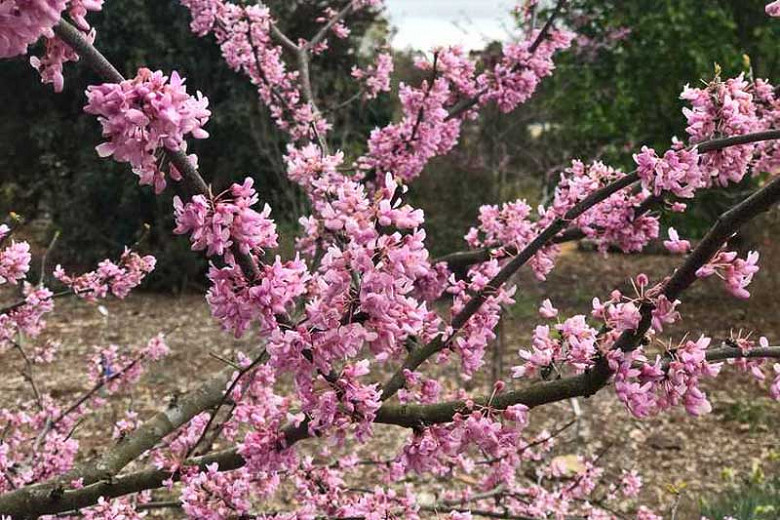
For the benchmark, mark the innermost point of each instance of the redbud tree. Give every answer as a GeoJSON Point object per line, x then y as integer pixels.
{"type": "Point", "coordinates": [353, 330]}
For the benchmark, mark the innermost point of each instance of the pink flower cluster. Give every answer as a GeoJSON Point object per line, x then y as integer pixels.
{"type": "Point", "coordinates": [515, 77]}
{"type": "Point", "coordinates": [774, 389]}
{"type": "Point", "coordinates": [773, 8]}
{"type": "Point", "coordinates": [737, 273]}
{"type": "Point", "coordinates": [14, 262]}
{"type": "Point", "coordinates": [118, 279]}
{"type": "Point", "coordinates": [576, 344]}
{"type": "Point", "coordinates": [22, 22]}
{"type": "Point", "coordinates": [473, 338]}
{"type": "Point", "coordinates": [119, 370]}
{"type": "Point", "coordinates": [57, 53]}
{"type": "Point", "coordinates": [572, 342]}
{"type": "Point", "coordinates": [236, 302]}
{"type": "Point", "coordinates": [677, 171]}
{"type": "Point", "coordinates": [121, 508]}
{"type": "Point", "coordinates": [20, 463]}
{"type": "Point", "coordinates": [613, 222]}
{"type": "Point", "coordinates": [143, 115]}
{"type": "Point", "coordinates": [427, 128]}
{"type": "Point", "coordinates": [38, 441]}
{"type": "Point", "coordinates": [227, 221]}
{"type": "Point", "coordinates": [375, 77]}
{"type": "Point", "coordinates": [675, 244]}
{"type": "Point", "coordinates": [214, 495]}
{"type": "Point", "coordinates": [648, 388]}
{"type": "Point", "coordinates": [424, 132]}
{"type": "Point", "coordinates": [510, 226]}
{"type": "Point", "coordinates": [244, 35]}
{"type": "Point", "coordinates": [27, 318]}
{"type": "Point", "coordinates": [722, 109]}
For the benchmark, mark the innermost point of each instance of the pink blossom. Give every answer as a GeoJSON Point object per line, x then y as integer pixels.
{"type": "Point", "coordinates": [22, 22]}
{"type": "Point", "coordinates": [244, 36]}
{"type": "Point", "coordinates": [613, 222]}
{"type": "Point", "coordinates": [57, 52]}
{"type": "Point", "coordinates": [773, 8]}
{"type": "Point", "coordinates": [375, 77]}
{"type": "Point", "coordinates": [215, 495]}
{"type": "Point", "coordinates": [547, 310]}
{"type": "Point", "coordinates": [119, 279]}
{"type": "Point", "coordinates": [116, 508]}
{"type": "Point", "coordinates": [515, 77]}
{"type": "Point", "coordinates": [630, 483]}
{"type": "Point", "coordinates": [14, 262]}
{"type": "Point", "coordinates": [774, 389]}
{"type": "Point", "coordinates": [142, 115]}
{"type": "Point", "coordinates": [677, 171]}
{"type": "Point", "coordinates": [424, 132]}
{"type": "Point", "coordinates": [722, 109]}
{"type": "Point", "coordinates": [643, 513]}
{"type": "Point", "coordinates": [226, 221]}
{"type": "Point", "coordinates": [674, 244]}
{"type": "Point", "coordinates": [735, 272]}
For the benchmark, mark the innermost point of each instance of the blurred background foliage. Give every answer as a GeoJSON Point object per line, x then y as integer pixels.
{"type": "Point", "coordinates": [617, 89]}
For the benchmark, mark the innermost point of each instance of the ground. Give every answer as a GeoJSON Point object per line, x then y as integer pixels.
{"type": "Point", "coordinates": [696, 459]}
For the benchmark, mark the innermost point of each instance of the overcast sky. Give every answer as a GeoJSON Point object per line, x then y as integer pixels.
{"type": "Point", "coordinates": [423, 24]}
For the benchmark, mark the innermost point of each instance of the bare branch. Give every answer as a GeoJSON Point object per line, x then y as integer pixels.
{"type": "Point", "coordinates": [283, 39]}
{"type": "Point", "coordinates": [323, 32]}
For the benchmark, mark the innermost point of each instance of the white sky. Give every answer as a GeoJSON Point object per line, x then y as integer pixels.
{"type": "Point", "coordinates": [423, 24]}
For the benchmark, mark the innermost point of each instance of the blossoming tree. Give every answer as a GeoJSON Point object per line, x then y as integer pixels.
{"type": "Point", "coordinates": [347, 331]}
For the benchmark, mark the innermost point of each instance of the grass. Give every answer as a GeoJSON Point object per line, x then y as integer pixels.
{"type": "Point", "coordinates": [756, 499]}
{"type": "Point", "coordinates": [759, 414]}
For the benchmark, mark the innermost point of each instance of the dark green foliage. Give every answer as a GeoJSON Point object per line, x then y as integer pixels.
{"type": "Point", "coordinates": [610, 101]}
{"type": "Point", "coordinates": [627, 93]}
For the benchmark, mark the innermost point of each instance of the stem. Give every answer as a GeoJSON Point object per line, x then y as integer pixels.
{"type": "Point", "coordinates": [323, 32]}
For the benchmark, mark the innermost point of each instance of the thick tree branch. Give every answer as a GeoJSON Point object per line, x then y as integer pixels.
{"type": "Point", "coordinates": [407, 416]}
{"type": "Point", "coordinates": [48, 495]}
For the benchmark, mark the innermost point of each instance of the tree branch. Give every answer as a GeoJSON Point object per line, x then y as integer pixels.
{"type": "Point", "coordinates": [323, 32]}
{"type": "Point", "coordinates": [103, 68]}
{"type": "Point", "coordinates": [461, 260]}
{"type": "Point", "coordinates": [417, 357]}
{"type": "Point", "coordinates": [48, 495]}
{"type": "Point", "coordinates": [407, 416]}
{"type": "Point", "coordinates": [466, 104]}
{"type": "Point", "coordinates": [98, 63]}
